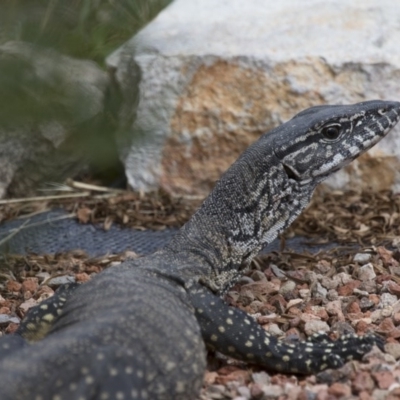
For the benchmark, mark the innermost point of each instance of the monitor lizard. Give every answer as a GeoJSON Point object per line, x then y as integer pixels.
{"type": "Point", "coordinates": [140, 330]}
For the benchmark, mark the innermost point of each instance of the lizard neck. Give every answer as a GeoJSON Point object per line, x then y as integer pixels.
{"type": "Point", "coordinates": [270, 184]}
{"type": "Point", "coordinates": [254, 201]}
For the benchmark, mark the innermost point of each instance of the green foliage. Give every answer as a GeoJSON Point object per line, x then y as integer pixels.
{"type": "Point", "coordinates": [88, 29]}
{"type": "Point", "coordinates": [85, 29]}
{"type": "Point", "coordinates": [26, 98]}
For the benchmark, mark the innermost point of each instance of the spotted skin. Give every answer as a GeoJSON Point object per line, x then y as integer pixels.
{"type": "Point", "coordinates": [139, 330]}
{"type": "Point", "coordinates": [38, 322]}
{"type": "Point", "coordinates": [233, 332]}
{"type": "Point", "coordinates": [10, 344]}
{"type": "Point", "coordinates": [116, 350]}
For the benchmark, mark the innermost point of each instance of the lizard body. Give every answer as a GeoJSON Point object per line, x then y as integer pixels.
{"type": "Point", "coordinates": [138, 330]}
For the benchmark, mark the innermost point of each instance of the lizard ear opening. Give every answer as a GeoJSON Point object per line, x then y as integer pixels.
{"type": "Point", "coordinates": [291, 173]}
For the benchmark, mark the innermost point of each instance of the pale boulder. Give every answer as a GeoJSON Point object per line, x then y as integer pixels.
{"type": "Point", "coordinates": [212, 76]}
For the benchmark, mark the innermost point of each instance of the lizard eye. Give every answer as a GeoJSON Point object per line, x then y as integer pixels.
{"type": "Point", "coordinates": [331, 132]}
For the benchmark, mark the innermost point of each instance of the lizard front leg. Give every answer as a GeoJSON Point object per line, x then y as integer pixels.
{"type": "Point", "coordinates": [234, 333]}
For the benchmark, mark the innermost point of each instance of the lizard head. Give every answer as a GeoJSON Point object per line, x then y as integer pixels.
{"type": "Point", "coordinates": [322, 139]}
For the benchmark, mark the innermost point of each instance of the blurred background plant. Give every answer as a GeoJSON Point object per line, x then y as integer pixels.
{"type": "Point", "coordinates": [82, 29]}
{"type": "Point", "coordinates": [88, 29]}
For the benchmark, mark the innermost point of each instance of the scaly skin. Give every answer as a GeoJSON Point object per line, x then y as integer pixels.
{"type": "Point", "coordinates": [137, 331]}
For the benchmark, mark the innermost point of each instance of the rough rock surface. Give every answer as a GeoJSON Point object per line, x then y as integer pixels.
{"type": "Point", "coordinates": [216, 75]}
{"type": "Point", "coordinates": [39, 148]}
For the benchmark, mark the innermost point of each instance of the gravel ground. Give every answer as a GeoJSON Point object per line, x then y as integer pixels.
{"type": "Point", "coordinates": [332, 216]}
{"type": "Point", "coordinates": [290, 295]}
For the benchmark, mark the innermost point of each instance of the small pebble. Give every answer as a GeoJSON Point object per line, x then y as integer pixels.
{"type": "Point", "coordinates": [319, 291]}
{"type": "Point", "coordinates": [216, 392]}
{"type": "Point", "coordinates": [376, 316]}
{"type": "Point", "coordinates": [246, 297]}
{"type": "Point", "coordinates": [366, 304]}
{"type": "Point", "coordinates": [26, 305]}
{"type": "Point", "coordinates": [244, 392]}
{"type": "Point", "coordinates": [304, 293]}
{"type": "Point", "coordinates": [344, 278]}
{"type": "Point", "coordinates": [339, 390]}
{"type": "Point", "coordinates": [13, 286]}
{"type": "Point", "coordinates": [258, 276]}
{"type": "Point", "coordinates": [245, 280]}
{"type": "Point", "coordinates": [384, 379]}
{"type": "Point", "coordinates": [42, 276]}
{"type": "Point", "coordinates": [387, 299]}
{"type": "Point", "coordinates": [293, 302]}
{"type": "Point", "coordinates": [393, 349]}
{"type": "Point", "coordinates": [360, 292]}
{"type": "Point", "coordinates": [332, 295]}
{"type": "Point", "coordinates": [277, 271]}
{"type": "Point", "coordinates": [362, 258]}
{"type": "Point", "coordinates": [368, 286]}
{"type": "Point", "coordinates": [366, 272]}
{"type": "Point", "coordinates": [6, 319]}
{"type": "Point", "coordinates": [315, 326]}
{"type": "Point", "coordinates": [274, 330]}
{"type": "Point", "coordinates": [379, 394]}
{"type": "Point", "coordinates": [348, 288]}
{"type": "Point", "coordinates": [30, 285]}
{"type": "Point", "coordinates": [256, 391]}
{"type": "Point", "coordinates": [330, 283]}
{"type": "Point", "coordinates": [233, 295]}
{"type": "Point", "coordinates": [363, 381]}
{"type": "Point", "coordinates": [61, 280]}
{"type": "Point", "coordinates": [287, 287]}
{"type": "Point", "coordinates": [273, 391]}
{"type": "Point", "coordinates": [334, 308]}
{"type": "Point", "coordinates": [261, 378]}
